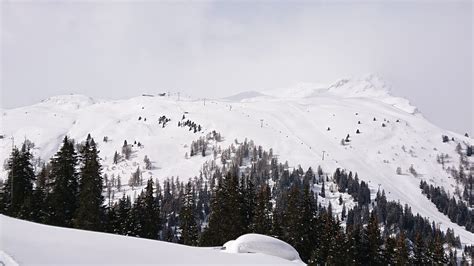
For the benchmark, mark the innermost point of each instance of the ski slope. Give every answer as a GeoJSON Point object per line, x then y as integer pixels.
{"type": "Point", "coordinates": [27, 243]}
{"type": "Point", "coordinates": [292, 121]}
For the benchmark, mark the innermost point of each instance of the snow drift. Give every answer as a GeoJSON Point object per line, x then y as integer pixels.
{"type": "Point", "coordinates": [27, 243]}
{"type": "Point", "coordinates": [256, 243]}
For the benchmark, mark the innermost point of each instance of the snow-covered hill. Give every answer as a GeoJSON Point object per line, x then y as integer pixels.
{"type": "Point", "coordinates": [300, 123]}
{"type": "Point", "coordinates": [27, 243]}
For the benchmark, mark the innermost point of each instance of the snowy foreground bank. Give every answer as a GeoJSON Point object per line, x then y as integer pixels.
{"type": "Point", "coordinates": [26, 243]}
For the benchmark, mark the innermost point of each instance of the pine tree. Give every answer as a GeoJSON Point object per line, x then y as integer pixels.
{"type": "Point", "coordinates": [116, 157]}
{"type": "Point", "coordinates": [188, 225]}
{"type": "Point", "coordinates": [323, 190]}
{"type": "Point", "coordinates": [419, 250]}
{"type": "Point", "coordinates": [18, 189]}
{"type": "Point", "coordinates": [402, 252]}
{"type": "Point", "coordinates": [354, 244]}
{"type": "Point", "coordinates": [389, 254]}
{"type": "Point", "coordinates": [262, 221]}
{"type": "Point", "coordinates": [226, 219]}
{"type": "Point", "coordinates": [375, 241]}
{"type": "Point", "coordinates": [90, 201]}
{"type": "Point", "coordinates": [307, 224]}
{"type": "Point", "coordinates": [64, 187]}
{"type": "Point", "coordinates": [438, 256]}
{"type": "Point", "coordinates": [292, 217]}
{"type": "Point", "coordinates": [123, 208]}
{"type": "Point", "coordinates": [135, 219]}
{"type": "Point", "coordinates": [234, 208]}
{"type": "Point", "coordinates": [39, 209]}
{"type": "Point", "coordinates": [151, 216]}
{"type": "Point", "coordinates": [248, 194]}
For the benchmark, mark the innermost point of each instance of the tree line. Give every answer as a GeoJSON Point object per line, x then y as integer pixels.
{"type": "Point", "coordinates": [456, 210]}
{"type": "Point", "coordinates": [225, 202]}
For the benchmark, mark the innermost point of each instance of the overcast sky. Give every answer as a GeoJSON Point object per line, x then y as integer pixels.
{"type": "Point", "coordinates": [214, 49]}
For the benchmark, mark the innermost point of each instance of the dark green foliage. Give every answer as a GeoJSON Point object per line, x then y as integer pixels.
{"type": "Point", "coordinates": [226, 220]}
{"type": "Point", "coordinates": [90, 201]}
{"type": "Point", "coordinates": [151, 222]}
{"type": "Point", "coordinates": [188, 224]}
{"type": "Point", "coordinates": [437, 251]}
{"type": "Point", "coordinates": [457, 210]}
{"type": "Point", "coordinates": [402, 251]}
{"type": "Point", "coordinates": [374, 241]}
{"type": "Point", "coordinates": [18, 189]}
{"type": "Point", "coordinates": [262, 220]}
{"type": "Point", "coordinates": [64, 185]}
{"type": "Point", "coordinates": [419, 251]}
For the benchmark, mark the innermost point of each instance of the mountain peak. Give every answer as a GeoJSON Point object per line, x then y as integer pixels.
{"type": "Point", "coordinates": [368, 86]}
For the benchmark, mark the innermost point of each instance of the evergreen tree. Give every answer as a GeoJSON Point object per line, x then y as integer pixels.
{"type": "Point", "coordinates": [262, 221]}
{"type": "Point", "coordinates": [307, 225]}
{"type": "Point", "coordinates": [389, 254]}
{"type": "Point", "coordinates": [123, 208]}
{"type": "Point", "coordinates": [135, 219]}
{"type": "Point", "coordinates": [226, 219]}
{"type": "Point", "coordinates": [438, 255]}
{"type": "Point", "coordinates": [39, 208]}
{"type": "Point", "coordinates": [64, 187]}
{"type": "Point", "coordinates": [151, 216]}
{"type": "Point", "coordinates": [188, 225]}
{"type": "Point", "coordinates": [354, 245]}
{"type": "Point", "coordinates": [419, 250]}
{"type": "Point", "coordinates": [375, 241]}
{"type": "Point", "coordinates": [292, 217]}
{"type": "Point", "coordinates": [116, 157]}
{"type": "Point", "coordinates": [402, 252]}
{"type": "Point", "coordinates": [18, 189]}
{"type": "Point", "coordinates": [90, 201]}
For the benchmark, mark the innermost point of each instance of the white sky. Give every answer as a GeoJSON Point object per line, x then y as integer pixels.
{"type": "Point", "coordinates": [214, 49]}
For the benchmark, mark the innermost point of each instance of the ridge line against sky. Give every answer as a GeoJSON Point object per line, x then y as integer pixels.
{"type": "Point", "coordinates": [216, 49]}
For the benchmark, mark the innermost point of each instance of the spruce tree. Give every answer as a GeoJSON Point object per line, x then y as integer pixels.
{"type": "Point", "coordinates": [402, 252]}
{"type": "Point", "coordinates": [40, 211]}
{"type": "Point", "coordinates": [307, 224]}
{"type": "Point", "coordinates": [18, 189]}
{"type": "Point", "coordinates": [354, 245]}
{"type": "Point", "coordinates": [262, 221]}
{"type": "Point", "coordinates": [438, 255]}
{"type": "Point", "coordinates": [188, 225]}
{"type": "Point", "coordinates": [419, 250]}
{"type": "Point", "coordinates": [123, 209]}
{"type": "Point", "coordinates": [226, 218]}
{"type": "Point", "coordinates": [375, 241]}
{"type": "Point", "coordinates": [248, 195]}
{"type": "Point", "coordinates": [389, 255]}
{"type": "Point", "coordinates": [292, 217]}
{"type": "Point", "coordinates": [64, 187]}
{"type": "Point", "coordinates": [151, 217]}
{"type": "Point", "coordinates": [90, 201]}
{"type": "Point", "coordinates": [135, 218]}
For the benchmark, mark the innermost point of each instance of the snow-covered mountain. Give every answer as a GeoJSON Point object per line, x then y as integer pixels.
{"type": "Point", "coordinates": [302, 124]}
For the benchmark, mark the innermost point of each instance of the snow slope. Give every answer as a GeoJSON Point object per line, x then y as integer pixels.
{"type": "Point", "coordinates": [26, 243]}
{"type": "Point", "coordinates": [295, 124]}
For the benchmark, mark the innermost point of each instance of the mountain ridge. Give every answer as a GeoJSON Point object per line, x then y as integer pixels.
{"type": "Point", "coordinates": [306, 131]}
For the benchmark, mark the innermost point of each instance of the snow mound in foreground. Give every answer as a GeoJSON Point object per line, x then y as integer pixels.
{"type": "Point", "coordinates": [256, 243]}
{"type": "Point", "coordinates": [26, 243]}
